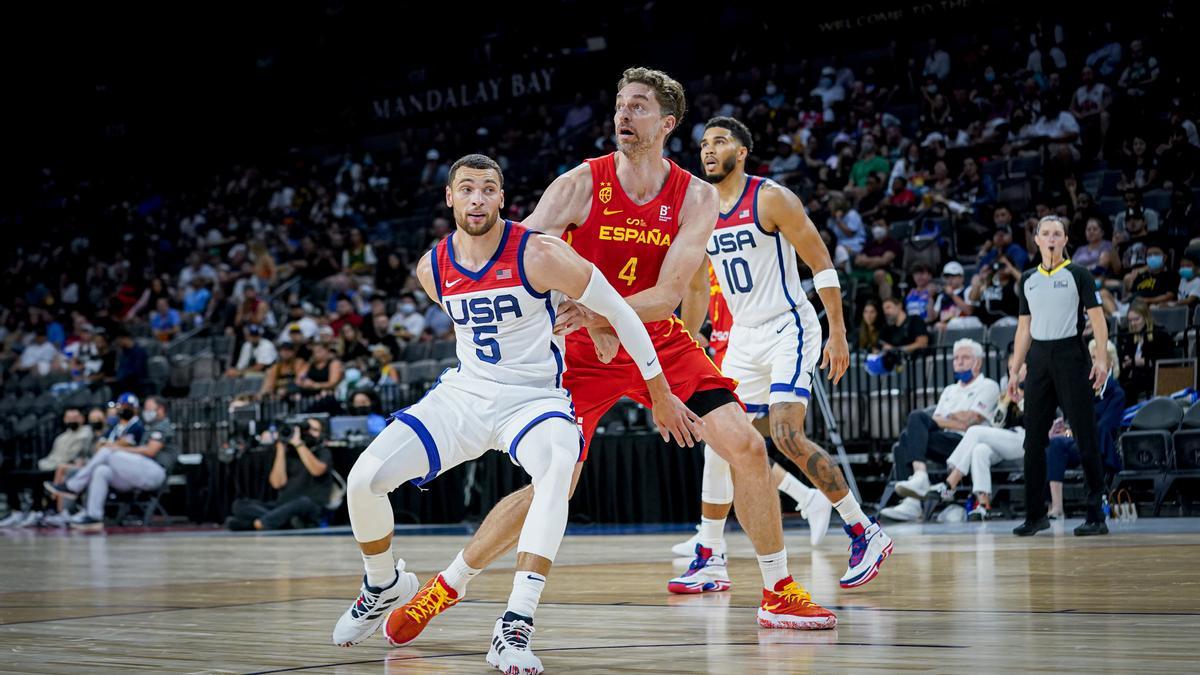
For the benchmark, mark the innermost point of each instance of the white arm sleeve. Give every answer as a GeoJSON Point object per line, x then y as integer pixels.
{"type": "Point", "coordinates": [601, 297]}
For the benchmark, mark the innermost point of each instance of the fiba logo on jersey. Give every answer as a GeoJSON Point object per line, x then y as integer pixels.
{"type": "Point", "coordinates": [605, 193]}
{"type": "Point", "coordinates": [664, 213]}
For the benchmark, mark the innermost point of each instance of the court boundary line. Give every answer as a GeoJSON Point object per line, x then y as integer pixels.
{"type": "Point", "coordinates": [386, 660]}
{"type": "Point", "coordinates": [840, 608]}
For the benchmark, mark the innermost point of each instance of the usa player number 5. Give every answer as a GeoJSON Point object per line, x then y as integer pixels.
{"type": "Point", "coordinates": [492, 355]}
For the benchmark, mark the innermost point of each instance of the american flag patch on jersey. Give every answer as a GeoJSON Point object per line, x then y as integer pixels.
{"type": "Point", "coordinates": [504, 274]}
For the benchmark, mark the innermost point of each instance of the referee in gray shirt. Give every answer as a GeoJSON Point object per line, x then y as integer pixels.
{"type": "Point", "coordinates": [1055, 296]}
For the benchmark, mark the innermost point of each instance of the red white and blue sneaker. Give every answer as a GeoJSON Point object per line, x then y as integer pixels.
{"type": "Point", "coordinates": [706, 574]}
{"type": "Point", "coordinates": [869, 547]}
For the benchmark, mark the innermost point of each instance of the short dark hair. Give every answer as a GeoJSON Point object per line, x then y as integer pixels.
{"type": "Point", "coordinates": [667, 90]}
{"type": "Point", "coordinates": [475, 161]}
{"type": "Point", "coordinates": [740, 131]}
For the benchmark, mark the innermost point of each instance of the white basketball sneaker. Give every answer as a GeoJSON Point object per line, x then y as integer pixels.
{"type": "Point", "coordinates": [510, 652]}
{"type": "Point", "coordinates": [817, 512]}
{"type": "Point", "coordinates": [687, 549]}
{"type": "Point", "coordinates": [707, 574]}
{"type": "Point", "coordinates": [372, 606]}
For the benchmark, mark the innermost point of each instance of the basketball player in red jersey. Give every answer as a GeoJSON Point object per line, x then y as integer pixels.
{"type": "Point", "coordinates": [644, 222]}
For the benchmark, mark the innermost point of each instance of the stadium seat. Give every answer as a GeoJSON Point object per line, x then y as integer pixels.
{"type": "Point", "coordinates": [1159, 200]}
{"type": "Point", "coordinates": [445, 349]}
{"type": "Point", "coordinates": [1024, 166]}
{"type": "Point", "coordinates": [953, 335]}
{"type": "Point", "coordinates": [160, 371]}
{"type": "Point", "coordinates": [1001, 336]}
{"type": "Point", "coordinates": [418, 351]}
{"type": "Point", "coordinates": [1146, 448]}
{"type": "Point", "coordinates": [1110, 206]}
{"type": "Point", "coordinates": [24, 404]}
{"type": "Point", "coordinates": [1171, 319]}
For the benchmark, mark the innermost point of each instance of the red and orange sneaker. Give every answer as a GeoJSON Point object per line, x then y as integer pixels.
{"type": "Point", "coordinates": [405, 623]}
{"type": "Point", "coordinates": [790, 606]}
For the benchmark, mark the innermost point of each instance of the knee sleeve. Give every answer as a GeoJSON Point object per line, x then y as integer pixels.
{"type": "Point", "coordinates": [396, 455]}
{"type": "Point", "coordinates": [716, 487]}
{"type": "Point", "coordinates": [548, 452]}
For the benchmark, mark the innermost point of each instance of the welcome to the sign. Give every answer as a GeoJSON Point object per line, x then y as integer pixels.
{"type": "Point", "coordinates": [466, 95]}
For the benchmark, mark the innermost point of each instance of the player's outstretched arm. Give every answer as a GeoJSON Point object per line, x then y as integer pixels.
{"type": "Point", "coordinates": [567, 200]}
{"type": "Point", "coordinates": [551, 264]}
{"type": "Point", "coordinates": [780, 208]}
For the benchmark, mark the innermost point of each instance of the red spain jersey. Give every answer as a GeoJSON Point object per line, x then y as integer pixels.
{"type": "Point", "coordinates": [628, 242]}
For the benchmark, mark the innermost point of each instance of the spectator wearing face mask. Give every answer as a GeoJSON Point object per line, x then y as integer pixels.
{"type": "Point", "coordinates": [1189, 283]}
{"type": "Point", "coordinates": [363, 404]}
{"type": "Point", "coordinates": [75, 441]}
{"type": "Point", "coordinates": [829, 92]}
{"type": "Point", "coordinates": [1153, 283]}
{"type": "Point", "coordinates": [407, 317]}
{"type": "Point", "coordinates": [878, 259]}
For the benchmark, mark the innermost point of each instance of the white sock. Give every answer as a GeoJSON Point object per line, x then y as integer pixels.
{"type": "Point", "coordinates": [526, 592]}
{"type": "Point", "coordinates": [774, 568]}
{"type": "Point", "coordinates": [458, 574]}
{"type": "Point", "coordinates": [851, 512]}
{"type": "Point", "coordinates": [792, 487]}
{"type": "Point", "coordinates": [381, 569]}
{"type": "Point", "coordinates": [712, 531]}
{"type": "Point", "coordinates": [919, 476]}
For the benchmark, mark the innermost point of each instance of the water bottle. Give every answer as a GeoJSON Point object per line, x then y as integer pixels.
{"type": "Point", "coordinates": [971, 503]}
{"type": "Point", "coordinates": [1105, 506]}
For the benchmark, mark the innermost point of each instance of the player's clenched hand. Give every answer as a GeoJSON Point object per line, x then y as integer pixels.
{"type": "Point", "coordinates": [570, 317]}
{"type": "Point", "coordinates": [836, 358]}
{"type": "Point", "coordinates": [607, 343]}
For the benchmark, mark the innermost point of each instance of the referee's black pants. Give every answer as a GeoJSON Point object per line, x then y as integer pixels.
{"type": "Point", "coordinates": [1057, 377]}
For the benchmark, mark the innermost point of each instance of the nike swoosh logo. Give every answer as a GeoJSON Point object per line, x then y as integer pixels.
{"type": "Point", "coordinates": [613, 213]}
{"type": "Point", "coordinates": [651, 362]}
{"type": "Point", "coordinates": [451, 283]}
{"type": "Point", "coordinates": [531, 577]}
{"type": "Point", "coordinates": [781, 329]}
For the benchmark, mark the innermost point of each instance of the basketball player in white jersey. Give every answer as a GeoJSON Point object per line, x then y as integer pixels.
{"type": "Point", "coordinates": [773, 346]}
{"type": "Point", "coordinates": [500, 283]}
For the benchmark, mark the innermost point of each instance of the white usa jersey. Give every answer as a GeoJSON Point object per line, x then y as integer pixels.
{"type": "Point", "coordinates": [757, 269]}
{"type": "Point", "coordinates": [503, 327]}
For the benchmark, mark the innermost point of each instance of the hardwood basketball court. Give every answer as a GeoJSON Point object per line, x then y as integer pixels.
{"type": "Point", "coordinates": [953, 598]}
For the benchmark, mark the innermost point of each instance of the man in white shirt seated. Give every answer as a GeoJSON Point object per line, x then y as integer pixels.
{"type": "Point", "coordinates": [257, 354]}
{"type": "Point", "coordinates": [971, 400]}
{"type": "Point", "coordinates": [39, 356]}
